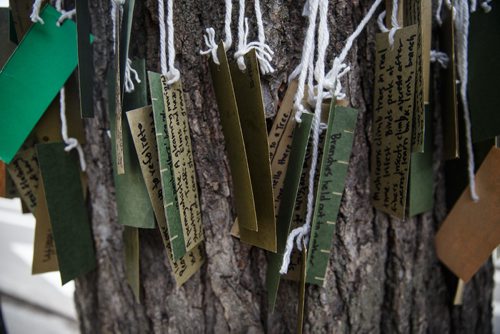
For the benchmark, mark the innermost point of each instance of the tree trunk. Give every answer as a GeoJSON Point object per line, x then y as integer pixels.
{"type": "Point", "coordinates": [383, 277]}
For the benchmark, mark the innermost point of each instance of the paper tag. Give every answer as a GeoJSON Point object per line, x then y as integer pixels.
{"type": "Point", "coordinates": [183, 169]}
{"type": "Point", "coordinates": [170, 200]}
{"type": "Point", "coordinates": [302, 290]}
{"type": "Point", "coordinates": [286, 210]}
{"type": "Point", "coordinates": [85, 59]}
{"type": "Point", "coordinates": [233, 136]}
{"type": "Point", "coordinates": [45, 58]}
{"type": "Point", "coordinates": [251, 111]}
{"type": "Point", "coordinates": [60, 173]}
{"type": "Point", "coordinates": [25, 173]}
{"type": "Point", "coordinates": [44, 247]}
{"type": "Point", "coordinates": [118, 83]}
{"type": "Point", "coordinates": [471, 231]}
{"type": "Point", "coordinates": [392, 124]}
{"type": "Point", "coordinates": [141, 123]}
{"type": "Point", "coordinates": [131, 250]}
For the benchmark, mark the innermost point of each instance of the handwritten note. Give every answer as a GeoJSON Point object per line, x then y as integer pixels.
{"type": "Point", "coordinates": [395, 75]}
{"type": "Point", "coordinates": [25, 173]}
{"type": "Point", "coordinates": [141, 122]}
{"type": "Point", "coordinates": [183, 169]}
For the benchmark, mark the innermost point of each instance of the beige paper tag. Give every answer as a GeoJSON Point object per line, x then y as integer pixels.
{"type": "Point", "coordinates": [25, 173]}
{"type": "Point", "coordinates": [120, 162]}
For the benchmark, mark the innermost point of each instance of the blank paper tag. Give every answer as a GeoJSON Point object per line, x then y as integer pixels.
{"type": "Point", "coordinates": [25, 173]}
{"type": "Point", "coordinates": [395, 76]}
{"type": "Point", "coordinates": [131, 250]}
{"type": "Point", "coordinates": [471, 231]}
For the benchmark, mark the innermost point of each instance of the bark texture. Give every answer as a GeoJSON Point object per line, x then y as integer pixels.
{"type": "Point", "coordinates": [383, 275]}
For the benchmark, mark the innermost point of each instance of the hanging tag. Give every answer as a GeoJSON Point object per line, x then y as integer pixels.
{"type": "Point", "coordinates": [250, 106]}
{"type": "Point", "coordinates": [471, 231]}
{"type": "Point", "coordinates": [131, 250]}
{"type": "Point", "coordinates": [45, 58]}
{"type": "Point", "coordinates": [25, 173]}
{"type": "Point", "coordinates": [7, 46]}
{"type": "Point", "coordinates": [133, 205]}
{"type": "Point", "coordinates": [302, 290]}
{"type": "Point", "coordinates": [170, 200]}
{"type": "Point", "coordinates": [67, 210]}
{"type": "Point", "coordinates": [334, 165]}
{"type": "Point", "coordinates": [449, 104]}
{"type": "Point", "coordinates": [392, 120]}
{"type": "Point", "coordinates": [421, 181]}
{"type": "Point", "coordinates": [233, 136]}
{"type": "Point", "coordinates": [118, 91]}
{"type": "Point", "coordinates": [285, 215]}
{"type": "Point", "coordinates": [484, 32]}
{"type": "Point", "coordinates": [183, 169]}
{"type": "Point", "coordinates": [85, 59]}
{"type": "Point", "coordinates": [44, 247]}
{"type": "Point", "coordinates": [141, 123]}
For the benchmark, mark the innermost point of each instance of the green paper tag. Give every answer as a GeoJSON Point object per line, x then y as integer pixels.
{"type": "Point", "coordinates": [170, 201]}
{"type": "Point", "coordinates": [60, 173]}
{"type": "Point", "coordinates": [131, 250]}
{"type": "Point", "coordinates": [233, 136]}
{"type": "Point", "coordinates": [85, 59]}
{"type": "Point", "coordinates": [286, 210]}
{"type": "Point", "coordinates": [248, 92]}
{"type": "Point", "coordinates": [30, 80]}
{"type": "Point", "coordinates": [334, 164]}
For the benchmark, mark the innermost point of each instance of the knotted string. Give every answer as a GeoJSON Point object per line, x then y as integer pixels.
{"type": "Point", "coordinates": [394, 22]}
{"type": "Point", "coordinates": [439, 57]}
{"type": "Point", "coordinates": [209, 37]}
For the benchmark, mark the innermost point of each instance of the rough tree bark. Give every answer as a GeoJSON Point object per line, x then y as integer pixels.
{"type": "Point", "coordinates": [383, 275]}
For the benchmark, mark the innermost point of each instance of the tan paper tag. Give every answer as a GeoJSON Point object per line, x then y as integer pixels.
{"type": "Point", "coordinates": [24, 172]}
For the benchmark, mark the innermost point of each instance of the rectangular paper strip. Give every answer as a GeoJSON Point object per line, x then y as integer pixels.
{"type": "Point", "coordinates": [286, 210]}
{"type": "Point", "coordinates": [131, 250]}
{"type": "Point", "coordinates": [248, 92]}
{"type": "Point", "coordinates": [183, 169]}
{"type": "Point", "coordinates": [393, 114]}
{"type": "Point", "coordinates": [67, 210]}
{"type": "Point", "coordinates": [334, 164]}
{"type": "Point", "coordinates": [170, 200]}
{"type": "Point", "coordinates": [30, 80]}
{"type": "Point", "coordinates": [471, 231]}
{"type": "Point", "coordinates": [233, 136]}
{"type": "Point", "coordinates": [141, 123]}
{"type": "Point", "coordinates": [25, 173]}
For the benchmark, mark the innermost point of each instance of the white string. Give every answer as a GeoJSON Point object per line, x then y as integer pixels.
{"type": "Point", "coordinates": [301, 234]}
{"type": "Point", "coordinates": [486, 6]}
{"type": "Point", "coordinates": [209, 37]}
{"type": "Point", "coordinates": [163, 33]}
{"type": "Point", "coordinates": [129, 71]}
{"type": "Point", "coordinates": [394, 22]}
{"type": "Point", "coordinates": [473, 5]}
{"type": "Point", "coordinates": [173, 73]}
{"type": "Point", "coordinates": [35, 14]}
{"type": "Point", "coordinates": [462, 36]}
{"type": "Point", "coordinates": [263, 52]}
{"type": "Point", "coordinates": [439, 7]}
{"type": "Point", "coordinates": [439, 57]}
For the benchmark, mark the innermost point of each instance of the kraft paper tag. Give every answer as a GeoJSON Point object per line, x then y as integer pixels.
{"type": "Point", "coordinates": [85, 59]}
{"type": "Point", "coordinates": [118, 91]}
{"type": "Point", "coordinates": [395, 78]}
{"type": "Point", "coordinates": [141, 123]}
{"type": "Point", "coordinates": [421, 186]}
{"type": "Point", "coordinates": [482, 88]}
{"type": "Point", "coordinates": [24, 172]}
{"type": "Point", "coordinates": [251, 111]}
{"type": "Point", "coordinates": [334, 164]}
{"type": "Point", "coordinates": [471, 231]}
{"type": "Point", "coordinates": [60, 174]}
{"type": "Point", "coordinates": [286, 210]}
{"type": "Point", "coordinates": [131, 250]}
{"type": "Point", "coordinates": [183, 169]}
{"type": "Point", "coordinates": [44, 247]}
{"type": "Point", "coordinates": [170, 200]}
{"type": "Point", "coordinates": [449, 104]}
{"type": "Point", "coordinates": [233, 136]}
{"type": "Point", "coordinates": [302, 290]}
{"type": "Point", "coordinates": [45, 58]}
{"type": "Point", "coordinates": [132, 201]}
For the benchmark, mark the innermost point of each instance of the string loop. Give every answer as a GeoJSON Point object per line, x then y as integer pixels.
{"type": "Point", "coordinates": [209, 37]}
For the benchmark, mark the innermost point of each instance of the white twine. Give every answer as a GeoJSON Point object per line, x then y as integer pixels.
{"type": "Point", "coordinates": [462, 41]}
{"type": "Point", "coordinates": [163, 33]}
{"type": "Point", "coordinates": [486, 6]}
{"type": "Point", "coordinates": [129, 71]}
{"type": "Point", "coordinates": [439, 57]}
{"type": "Point", "coordinates": [263, 52]}
{"type": "Point", "coordinates": [440, 6]}
{"type": "Point", "coordinates": [173, 74]}
{"type": "Point", "coordinates": [35, 14]}
{"type": "Point", "coordinates": [394, 22]}
{"type": "Point", "coordinates": [209, 37]}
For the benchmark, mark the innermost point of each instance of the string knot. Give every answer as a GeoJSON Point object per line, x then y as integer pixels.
{"type": "Point", "coordinates": [173, 76]}
{"type": "Point", "coordinates": [209, 38]}
{"type": "Point", "coordinates": [439, 57]}
{"type": "Point", "coordinates": [129, 71]}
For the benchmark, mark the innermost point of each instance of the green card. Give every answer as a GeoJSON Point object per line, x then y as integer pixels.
{"type": "Point", "coordinates": [421, 190]}
{"type": "Point", "coordinates": [85, 59]}
{"type": "Point", "coordinates": [60, 171]}
{"type": "Point", "coordinates": [170, 202]}
{"type": "Point", "coordinates": [334, 164]}
{"type": "Point", "coordinates": [484, 39]}
{"type": "Point", "coordinates": [132, 199]}
{"type": "Point", "coordinates": [30, 80]}
{"type": "Point", "coordinates": [131, 250]}
{"type": "Point", "coordinates": [285, 213]}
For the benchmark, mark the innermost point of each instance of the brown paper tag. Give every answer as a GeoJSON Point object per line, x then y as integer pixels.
{"type": "Point", "coordinates": [25, 173]}
{"type": "Point", "coordinates": [395, 75]}
{"type": "Point", "coordinates": [120, 162]}
{"type": "Point", "coordinates": [471, 231]}
{"type": "Point", "coordinates": [183, 163]}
